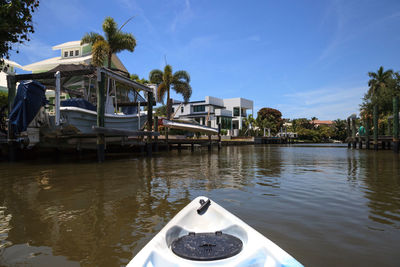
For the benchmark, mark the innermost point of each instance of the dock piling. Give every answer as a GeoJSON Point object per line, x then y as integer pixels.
{"type": "Point", "coordinates": [100, 114]}
{"type": "Point", "coordinates": [12, 144]}
{"type": "Point", "coordinates": [353, 132]}
{"type": "Point", "coordinates": [375, 121]}
{"type": "Point", "coordinates": [396, 124]}
{"type": "Point", "coordinates": [367, 131]}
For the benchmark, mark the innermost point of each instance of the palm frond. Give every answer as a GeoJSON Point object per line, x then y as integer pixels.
{"type": "Point", "coordinates": [100, 51]}
{"type": "Point", "coordinates": [91, 38]}
{"type": "Point", "coordinates": [184, 89]}
{"type": "Point", "coordinates": [167, 75]}
{"type": "Point", "coordinates": [122, 41]}
{"type": "Point", "coordinates": [110, 28]}
{"type": "Point", "coordinates": [156, 76]}
{"type": "Point", "coordinates": [161, 90]}
{"type": "Point", "coordinates": [181, 75]}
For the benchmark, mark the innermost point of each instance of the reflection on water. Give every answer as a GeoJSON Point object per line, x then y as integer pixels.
{"type": "Point", "coordinates": [324, 205]}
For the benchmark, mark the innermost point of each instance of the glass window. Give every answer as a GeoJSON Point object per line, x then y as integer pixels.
{"type": "Point", "coordinates": [200, 108]}
{"type": "Point", "coordinates": [226, 123]}
{"type": "Point", "coordinates": [76, 52]}
{"type": "Point", "coordinates": [235, 111]}
{"type": "Point", "coordinates": [66, 54]}
{"type": "Point", "coordinates": [173, 110]}
{"type": "Point", "coordinates": [182, 109]}
{"type": "Point", "coordinates": [71, 53]}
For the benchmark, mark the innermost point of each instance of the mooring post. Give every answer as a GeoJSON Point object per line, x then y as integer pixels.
{"type": "Point", "coordinates": [367, 130]}
{"type": "Point", "coordinates": [12, 146]}
{"type": "Point", "coordinates": [396, 124]}
{"type": "Point", "coordinates": [375, 119]}
{"type": "Point", "coordinates": [156, 130]}
{"type": "Point", "coordinates": [348, 133]}
{"type": "Point", "coordinates": [100, 114]}
{"type": "Point", "coordinates": [219, 136]}
{"type": "Point", "coordinates": [353, 132]}
{"type": "Point", "coordinates": [149, 122]}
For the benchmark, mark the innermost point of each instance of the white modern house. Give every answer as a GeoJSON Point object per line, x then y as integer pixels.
{"type": "Point", "coordinates": [71, 53]}
{"type": "Point", "coordinates": [213, 111]}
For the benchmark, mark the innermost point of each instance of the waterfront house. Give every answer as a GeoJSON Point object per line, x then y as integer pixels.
{"type": "Point", "coordinates": [7, 68]}
{"type": "Point", "coordinates": [72, 53]}
{"type": "Point", "coordinates": [213, 111]}
{"type": "Point", "coordinates": [317, 123]}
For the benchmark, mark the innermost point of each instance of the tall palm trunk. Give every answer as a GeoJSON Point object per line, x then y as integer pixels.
{"type": "Point", "coordinates": [169, 104]}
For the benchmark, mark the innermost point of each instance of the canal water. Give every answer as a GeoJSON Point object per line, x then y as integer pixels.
{"type": "Point", "coordinates": [324, 205]}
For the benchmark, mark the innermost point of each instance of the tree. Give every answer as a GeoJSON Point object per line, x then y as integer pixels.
{"type": "Point", "coordinates": [136, 78]}
{"type": "Point", "coordinates": [270, 118]}
{"type": "Point", "coordinates": [15, 23]}
{"type": "Point", "coordinates": [382, 87]}
{"type": "Point", "coordinates": [339, 128]}
{"type": "Point", "coordinates": [115, 41]}
{"type": "Point", "coordinates": [178, 81]}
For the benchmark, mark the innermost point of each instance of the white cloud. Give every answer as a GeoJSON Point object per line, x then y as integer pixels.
{"type": "Point", "coordinates": [181, 17]}
{"type": "Point", "coordinates": [36, 50]}
{"type": "Point", "coordinates": [326, 103]}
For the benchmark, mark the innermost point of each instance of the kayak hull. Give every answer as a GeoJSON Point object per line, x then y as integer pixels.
{"type": "Point", "coordinates": [257, 249]}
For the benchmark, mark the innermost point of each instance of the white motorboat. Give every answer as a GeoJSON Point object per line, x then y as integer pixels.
{"type": "Point", "coordinates": [82, 120]}
{"type": "Point", "coordinates": [189, 126]}
{"type": "Point", "coordinates": [205, 234]}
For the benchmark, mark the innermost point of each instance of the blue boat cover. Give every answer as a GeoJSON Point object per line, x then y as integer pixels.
{"type": "Point", "coordinates": [79, 103]}
{"type": "Point", "coordinates": [30, 97]}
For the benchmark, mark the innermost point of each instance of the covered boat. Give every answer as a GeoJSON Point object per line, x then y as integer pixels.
{"type": "Point", "coordinates": [205, 234]}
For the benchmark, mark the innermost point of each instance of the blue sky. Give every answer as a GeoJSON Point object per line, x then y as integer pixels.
{"type": "Point", "coordinates": [305, 58]}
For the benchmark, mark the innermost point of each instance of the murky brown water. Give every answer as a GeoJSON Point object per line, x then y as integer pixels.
{"type": "Point", "coordinates": [326, 206]}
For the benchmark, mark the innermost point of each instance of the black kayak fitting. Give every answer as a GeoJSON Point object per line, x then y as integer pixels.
{"type": "Point", "coordinates": [207, 246]}
{"type": "Point", "coordinates": [204, 206]}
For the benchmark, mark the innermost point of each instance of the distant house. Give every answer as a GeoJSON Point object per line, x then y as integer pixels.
{"type": "Point", "coordinates": [72, 53]}
{"type": "Point", "coordinates": [317, 123]}
{"type": "Point", "coordinates": [7, 68]}
{"type": "Point", "coordinates": [213, 111]}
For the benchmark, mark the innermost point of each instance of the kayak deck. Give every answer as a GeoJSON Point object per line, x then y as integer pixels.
{"type": "Point", "coordinates": [256, 249]}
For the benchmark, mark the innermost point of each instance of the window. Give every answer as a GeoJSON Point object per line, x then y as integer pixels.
{"type": "Point", "coordinates": [200, 108]}
{"type": "Point", "coordinates": [66, 54]}
{"type": "Point", "coordinates": [235, 111]}
{"type": "Point", "coordinates": [226, 123]}
{"type": "Point", "coordinates": [76, 52]}
{"type": "Point", "coordinates": [173, 110]}
{"type": "Point", "coordinates": [71, 53]}
{"type": "Point", "coordinates": [182, 109]}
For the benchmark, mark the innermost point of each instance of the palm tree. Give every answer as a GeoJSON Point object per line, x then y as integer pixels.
{"type": "Point", "coordinates": [378, 82]}
{"type": "Point", "coordinates": [115, 41]}
{"type": "Point", "coordinates": [178, 81]}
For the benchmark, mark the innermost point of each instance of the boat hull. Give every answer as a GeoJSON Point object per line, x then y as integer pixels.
{"type": "Point", "coordinates": [81, 120]}
{"type": "Point", "coordinates": [257, 250]}
{"type": "Point", "coordinates": [189, 127]}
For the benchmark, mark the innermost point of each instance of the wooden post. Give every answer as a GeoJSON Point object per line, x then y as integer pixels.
{"type": "Point", "coordinates": [353, 132]}
{"type": "Point", "coordinates": [57, 97]}
{"type": "Point", "coordinates": [375, 121]}
{"type": "Point", "coordinates": [100, 114]}
{"type": "Point", "coordinates": [219, 136]}
{"type": "Point", "coordinates": [149, 111]}
{"type": "Point", "coordinates": [396, 124]}
{"type": "Point", "coordinates": [367, 131]}
{"type": "Point", "coordinates": [156, 130]}
{"type": "Point", "coordinates": [12, 144]}
{"type": "Point", "coordinates": [149, 122]}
